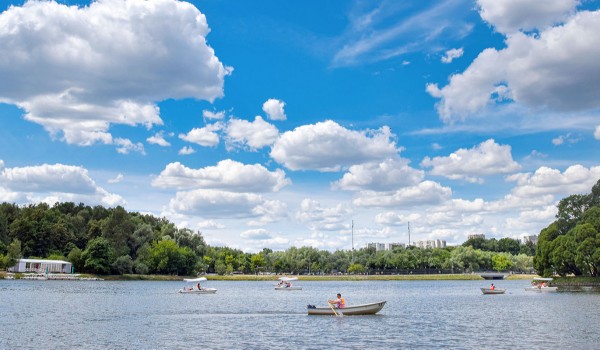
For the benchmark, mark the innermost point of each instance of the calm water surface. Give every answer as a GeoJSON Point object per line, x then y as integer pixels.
{"type": "Point", "coordinates": [252, 315]}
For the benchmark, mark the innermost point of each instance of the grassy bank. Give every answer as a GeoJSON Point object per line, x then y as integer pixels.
{"type": "Point", "coordinates": [432, 277]}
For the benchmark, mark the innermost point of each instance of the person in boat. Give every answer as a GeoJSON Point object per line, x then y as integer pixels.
{"type": "Point", "coordinates": [198, 285]}
{"type": "Point", "coordinates": [492, 287]}
{"type": "Point", "coordinates": [340, 302]}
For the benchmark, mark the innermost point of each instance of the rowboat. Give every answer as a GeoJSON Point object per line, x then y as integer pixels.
{"type": "Point", "coordinates": [364, 309]}
{"type": "Point", "coordinates": [493, 291]}
{"type": "Point", "coordinates": [539, 284]}
{"type": "Point", "coordinates": [196, 289]}
{"type": "Point", "coordinates": [285, 283]}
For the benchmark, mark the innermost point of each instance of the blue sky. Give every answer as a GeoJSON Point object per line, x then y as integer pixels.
{"type": "Point", "coordinates": [276, 124]}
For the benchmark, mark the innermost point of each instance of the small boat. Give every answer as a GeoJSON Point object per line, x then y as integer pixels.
{"type": "Point", "coordinates": [540, 284]}
{"type": "Point", "coordinates": [365, 309]}
{"type": "Point", "coordinates": [285, 283]}
{"type": "Point", "coordinates": [493, 291]}
{"type": "Point", "coordinates": [197, 289]}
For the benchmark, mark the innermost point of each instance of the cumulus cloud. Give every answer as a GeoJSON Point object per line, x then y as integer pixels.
{"type": "Point", "coordinates": [274, 109]}
{"type": "Point", "coordinates": [487, 158]}
{"type": "Point", "coordinates": [556, 70]}
{"type": "Point", "coordinates": [328, 146]}
{"type": "Point", "coordinates": [51, 183]}
{"type": "Point", "coordinates": [320, 218]}
{"type": "Point", "coordinates": [387, 175]}
{"type": "Point", "coordinates": [509, 16]}
{"type": "Point", "coordinates": [452, 54]}
{"type": "Point", "coordinates": [227, 175]}
{"type": "Point", "coordinates": [77, 70]}
{"type": "Point", "coordinates": [425, 193]}
{"type": "Point", "coordinates": [597, 133]}
{"type": "Point", "coordinates": [158, 139]}
{"type": "Point", "coordinates": [206, 114]}
{"type": "Point", "coordinates": [186, 150]}
{"type": "Point", "coordinates": [205, 136]}
{"type": "Point", "coordinates": [215, 204]}
{"type": "Point", "coordinates": [125, 146]}
{"type": "Point", "coordinates": [255, 135]}
{"type": "Point", "coordinates": [568, 138]}
{"type": "Point", "coordinates": [548, 181]}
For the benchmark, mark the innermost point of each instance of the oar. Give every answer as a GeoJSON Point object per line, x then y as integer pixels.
{"type": "Point", "coordinates": [334, 312]}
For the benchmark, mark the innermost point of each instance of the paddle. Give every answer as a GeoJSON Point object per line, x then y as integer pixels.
{"type": "Point", "coordinates": [334, 312]}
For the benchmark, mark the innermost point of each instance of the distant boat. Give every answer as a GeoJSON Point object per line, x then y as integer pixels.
{"type": "Point", "coordinates": [364, 309]}
{"type": "Point", "coordinates": [540, 284]}
{"type": "Point", "coordinates": [493, 291]}
{"type": "Point", "coordinates": [285, 283]}
{"type": "Point", "coordinates": [195, 289]}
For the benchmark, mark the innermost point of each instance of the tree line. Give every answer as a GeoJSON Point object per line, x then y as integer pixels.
{"type": "Point", "coordinates": [113, 241]}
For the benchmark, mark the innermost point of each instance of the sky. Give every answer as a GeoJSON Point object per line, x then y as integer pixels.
{"type": "Point", "coordinates": [330, 124]}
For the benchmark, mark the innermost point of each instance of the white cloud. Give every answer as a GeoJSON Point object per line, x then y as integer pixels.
{"type": "Point", "coordinates": [452, 54]}
{"type": "Point", "coordinates": [260, 234]}
{"type": "Point", "coordinates": [255, 135]}
{"type": "Point", "coordinates": [227, 175]}
{"type": "Point", "coordinates": [213, 115]}
{"type": "Point", "coordinates": [425, 193]}
{"type": "Point", "coordinates": [487, 158]}
{"type": "Point", "coordinates": [205, 136]}
{"type": "Point", "coordinates": [597, 133]}
{"type": "Point", "coordinates": [320, 218]}
{"type": "Point", "coordinates": [269, 211]}
{"type": "Point", "coordinates": [274, 109]}
{"type": "Point", "coordinates": [393, 29]}
{"type": "Point", "coordinates": [106, 63]}
{"type": "Point", "coordinates": [553, 70]}
{"type": "Point", "coordinates": [215, 204]}
{"type": "Point", "coordinates": [210, 224]}
{"type": "Point", "coordinates": [51, 183]}
{"type": "Point", "coordinates": [569, 138]}
{"type": "Point", "coordinates": [158, 139]}
{"type": "Point", "coordinates": [327, 146]}
{"type": "Point", "coordinates": [117, 179]}
{"type": "Point", "coordinates": [125, 146]}
{"type": "Point", "coordinates": [509, 16]}
{"type": "Point", "coordinates": [548, 181]}
{"type": "Point", "coordinates": [186, 150]}
{"type": "Point", "coordinates": [380, 176]}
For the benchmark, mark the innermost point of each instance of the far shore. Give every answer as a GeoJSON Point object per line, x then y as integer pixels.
{"type": "Point", "coordinates": [561, 281]}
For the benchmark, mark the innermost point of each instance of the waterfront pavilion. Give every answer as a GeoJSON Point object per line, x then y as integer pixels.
{"type": "Point", "coordinates": [41, 266]}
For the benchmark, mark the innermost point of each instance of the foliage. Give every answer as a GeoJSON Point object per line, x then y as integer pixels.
{"type": "Point", "coordinates": [571, 244]}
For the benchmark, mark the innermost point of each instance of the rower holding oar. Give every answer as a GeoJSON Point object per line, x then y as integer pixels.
{"type": "Point", "coordinates": [339, 303]}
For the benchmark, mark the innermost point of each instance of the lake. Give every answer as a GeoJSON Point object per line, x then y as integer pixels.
{"type": "Point", "coordinates": [252, 315]}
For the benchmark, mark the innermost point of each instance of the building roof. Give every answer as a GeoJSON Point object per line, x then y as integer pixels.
{"type": "Point", "coordinates": [44, 261]}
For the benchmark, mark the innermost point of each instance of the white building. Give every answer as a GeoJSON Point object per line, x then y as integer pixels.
{"type": "Point", "coordinates": [377, 246]}
{"type": "Point", "coordinates": [41, 266]}
{"type": "Point", "coordinates": [430, 244]}
{"type": "Point", "coordinates": [476, 236]}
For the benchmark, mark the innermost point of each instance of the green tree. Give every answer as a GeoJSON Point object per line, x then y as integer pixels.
{"type": "Point", "coordinates": [356, 269]}
{"type": "Point", "coordinates": [123, 265]}
{"type": "Point", "coordinates": [501, 262]}
{"type": "Point", "coordinates": [96, 256]}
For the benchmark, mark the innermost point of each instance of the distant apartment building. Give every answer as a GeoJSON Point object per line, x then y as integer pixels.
{"type": "Point", "coordinates": [476, 236]}
{"type": "Point", "coordinates": [384, 246]}
{"type": "Point", "coordinates": [378, 246]}
{"type": "Point", "coordinates": [430, 244]}
{"type": "Point", "coordinates": [391, 246]}
{"type": "Point", "coordinates": [530, 239]}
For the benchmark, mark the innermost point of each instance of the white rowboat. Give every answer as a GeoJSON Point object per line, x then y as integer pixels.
{"type": "Point", "coordinates": [540, 284]}
{"type": "Point", "coordinates": [286, 284]}
{"type": "Point", "coordinates": [365, 309]}
{"type": "Point", "coordinates": [193, 290]}
{"type": "Point", "coordinates": [493, 291]}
